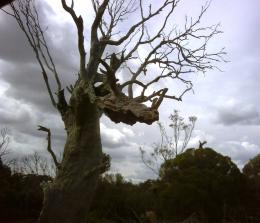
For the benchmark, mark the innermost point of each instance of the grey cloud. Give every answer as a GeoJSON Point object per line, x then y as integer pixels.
{"type": "Point", "coordinates": [113, 138]}
{"type": "Point", "coordinates": [27, 85]}
{"type": "Point", "coordinates": [141, 174]}
{"type": "Point", "coordinates": [17, 117]}
{"type": "Point", "coordinates": [14, 46]}
{"type": "Point", "coordinates": [133, 170]}
{"type": "Point", "coordinates": [238, 114]}
{"type": "Point", "coordinates": [122, 154]}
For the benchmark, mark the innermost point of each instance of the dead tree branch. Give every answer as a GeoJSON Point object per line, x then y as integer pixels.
{"type": "Point", "coordinates": [49, 149]}
{"type": "Point", "coordinates": [80, 29]}
{"type": "Point", "coordinates": [26, 15]}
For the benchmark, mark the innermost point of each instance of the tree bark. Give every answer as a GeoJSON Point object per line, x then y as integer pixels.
{"type": "Point", "coordinates": [68, 198]}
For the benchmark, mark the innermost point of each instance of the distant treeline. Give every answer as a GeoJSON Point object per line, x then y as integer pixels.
{"type": "Point", "coordinates": [199, 183]}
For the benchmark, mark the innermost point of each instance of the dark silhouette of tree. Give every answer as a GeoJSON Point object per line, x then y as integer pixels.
{"type": "Point", "coordinates": [201, 181]}
{"type": "Point", "coordinates": [99, 90]}
{"type": "Point", "coordinates": [252, 168]}
{"type": "Point", "coordinates": [252, 172]}
{"type": "Point", "coordinates": [36, 164]}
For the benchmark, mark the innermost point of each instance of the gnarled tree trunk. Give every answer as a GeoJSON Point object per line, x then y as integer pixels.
{"type": "Point", "coordinates": [68, 198]}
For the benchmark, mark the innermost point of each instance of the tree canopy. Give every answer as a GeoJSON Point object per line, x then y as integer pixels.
{"type": "Point", "coordinates": [195, 178]}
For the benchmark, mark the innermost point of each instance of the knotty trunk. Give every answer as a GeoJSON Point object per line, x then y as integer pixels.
{"type": "Point", "coordinates": [68, 198]}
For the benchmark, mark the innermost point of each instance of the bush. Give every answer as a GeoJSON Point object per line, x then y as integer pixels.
{"type": "Point", "coordinates": [252, 172]}
{"type": "Point", "coordinates": [200, 181]}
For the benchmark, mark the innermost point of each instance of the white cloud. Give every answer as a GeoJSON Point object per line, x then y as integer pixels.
{"type": "Point", "coordinates": [129, 132]}
{"type": "Point", "coordinates": [112, 137]}
{"type": "Point", "coordinates": [199, 135]}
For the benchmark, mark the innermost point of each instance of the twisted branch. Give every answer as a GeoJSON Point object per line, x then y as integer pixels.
{"type": "Point", "coordinates": [49, 149]}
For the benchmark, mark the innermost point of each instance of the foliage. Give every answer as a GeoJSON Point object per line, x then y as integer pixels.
{"type": "Point", "coordinates": [21, 195]}
{"type": "Point", "coordinates": [201, 181]}
{"type": "Point", "coordinates": [117, 200]}
{"type": "Point", "coordinates": [252, 168]}
{"type": "Point", "coordinates": [252, 172]}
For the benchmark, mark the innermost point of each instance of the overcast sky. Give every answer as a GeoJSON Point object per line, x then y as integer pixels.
{"type": "Point", "coordinates": [226, 103]}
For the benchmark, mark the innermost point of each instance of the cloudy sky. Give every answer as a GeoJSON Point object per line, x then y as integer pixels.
{"type": "Point", "coordinates": [226, 103]}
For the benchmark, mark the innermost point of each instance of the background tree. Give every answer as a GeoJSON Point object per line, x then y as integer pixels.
{"type": "Point", "coordinates": [4, 142]}
{"type": "Point", "coordinates": [252, 172]}
{"type": "Point", "coordinates": [118, 200]}
{"type": "Point", "coordinates": [21, 195]}
{"type": "Point", "coordinates": [170, 145]}
{"type": "Point", "coordinates": [36, 164]}
{"type": "Point", "coordinates": [201, 181]}
{"type": "Point", "coordinates": [99, 89]}
{"type": "Point", "coordinates": [252, 168]}
{"type": "Point", "coordinates": [5, 172]}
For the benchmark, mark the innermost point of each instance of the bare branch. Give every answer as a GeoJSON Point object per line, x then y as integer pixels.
{"type": "Point", "coordinates": [153, 166]}
{"type": "Point", "coordinates": [99, 14]}
{"type": "Point", "coordinates": [49, 149]}
{"type": "Point", "coordinates": [80, 28]}
{"type": "Point", "coordinates": [26, 15]}
{"type": "Point", "coordinates": [134, 27]}
{"type": "Point", "coordinates": [4, 142]}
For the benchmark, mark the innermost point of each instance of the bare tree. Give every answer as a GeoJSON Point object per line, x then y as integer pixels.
{"type": "Point", "coordinates": [121, 84]}
{"type": "Point", "coordinates": [49, 147]}
{"type": "Point", "coordinates": [4, 142]}
{"type": "Point", "coordinates": [170, 145]}
{"type": "Point", "coordinates": [35, 164]}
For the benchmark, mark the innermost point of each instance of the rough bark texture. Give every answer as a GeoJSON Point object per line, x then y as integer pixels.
{"type": "Point", "coordinates": [68, 198]}
{"type": "Point", "coordinates": [124, 109]}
